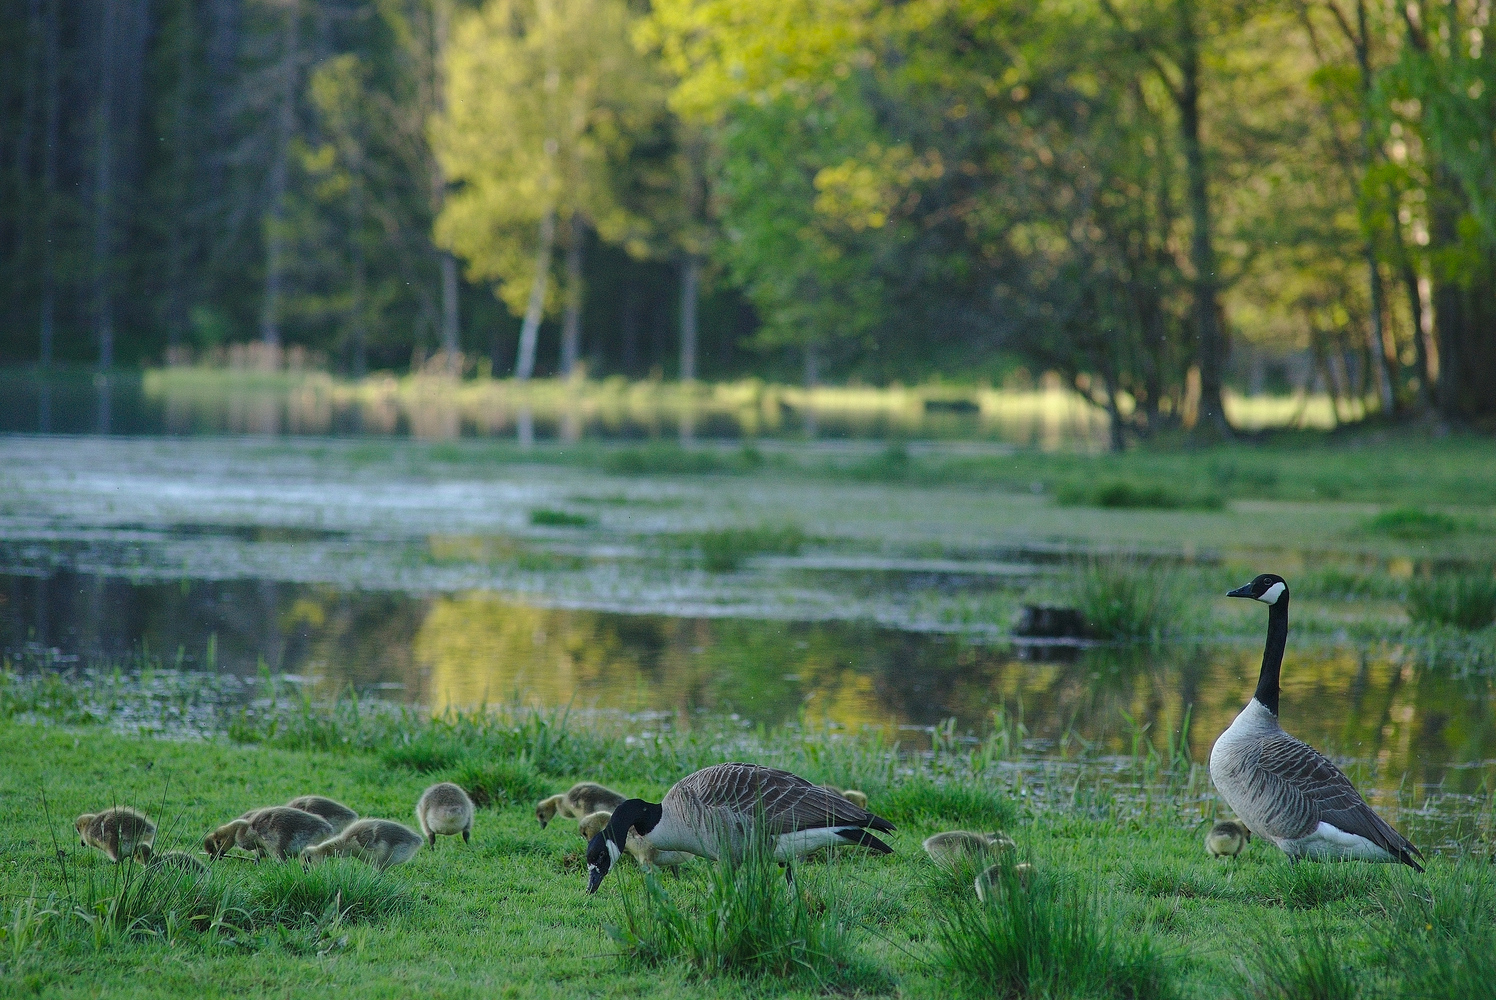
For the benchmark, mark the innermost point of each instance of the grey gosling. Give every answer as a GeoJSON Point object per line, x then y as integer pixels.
{"type": "Point", "coordinates": [953, 846]}
{"type": "Point", "coordinates": [1284, 789]}
{"type": "Point", "coordinates": [277, 831]}
{"type": "Point", "coordinates": [1227, 839]}
{"type": "Point", "coordinates": [715, 808]}
{"type": "Point", "coordinates": [648, 857]}
{"type": "Point", "coordinates": [991, 878]}
{"type": "Point", "coordinates": [120, 832]}
{"type": "Point", "coordinates": [581, 800]}
{"type": "Point", "coordinates": [336, 814]}
{"type": "Point", "coordinates": [380, 842]}
{"type": "Point", "coordinates": [445, 809]}
{"type": "Point", "coordinates": [179, 861]}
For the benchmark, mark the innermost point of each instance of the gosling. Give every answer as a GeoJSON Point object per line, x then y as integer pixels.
{"type": "Point", "coordinates": [380, 842]}
{"type": "Point", "coordinates": [120, 832]}
{"type": "Point", "coordinates": [648, 856]}
{"type": "Point", "coordinates": [278, 831]}
{"type": "Point", "coordinates": [991, 879]}
{"type": "Point", "coordinates": [581, 800]}
{"type": "Point", "coordinates": [852, 795]}
{"type": "Point", "coordinates": [952, 847]}
{"type": "Point", "coordinates": [179, 861]}
{"type": "Point", "coordinates": [337, 815]}
{"type": "Point", "coordinates": [446, 809]}
{"type": "Point", "coordinates": [1227, 839]}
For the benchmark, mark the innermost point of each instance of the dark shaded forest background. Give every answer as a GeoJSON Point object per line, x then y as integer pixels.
{"type": "Point", "coordinates": [1154, 198]}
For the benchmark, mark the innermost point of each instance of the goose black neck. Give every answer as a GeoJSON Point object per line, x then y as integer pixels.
{"type": "Point", "coordinates": [1272, 654]}
{"type": "Point", "coordinates": [636, 814]}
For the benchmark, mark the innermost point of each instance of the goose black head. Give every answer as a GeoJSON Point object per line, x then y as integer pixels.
{"type": "Point", "coordinates": [607, 844]}
{"type": "Point", "coordinates": [1267, 588]}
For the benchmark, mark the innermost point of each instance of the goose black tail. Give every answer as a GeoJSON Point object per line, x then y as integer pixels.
{"type": "Point", "coordinates": [1407, 858]}
{"type": "Point", "coordinates": [862, 838]}
{"type": "Point", "coordinates": [879, 823]}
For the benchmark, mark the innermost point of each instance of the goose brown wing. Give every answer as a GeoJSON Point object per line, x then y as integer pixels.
{"type": "Point", "coordinates": [788, 801]}
{"type": "Point", "coordinates": [1312, 790]}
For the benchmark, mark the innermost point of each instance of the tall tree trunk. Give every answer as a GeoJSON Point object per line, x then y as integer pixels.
{"type": "Point", "coordinates": [51, 107]}
{"type": "Point", "coordinates": [529, 331]}
{"type": "Point", "coordinates": [440, 25]}
{"type": "Point", "coordinates": [270, 331]}
{"type": "Point", "coordinates": [1448, 298]}
{"type": "Point", "coordinates": [571, 323]}
{"type": "Point", "coordinates": [181, 162]}
{"type": "Point", "coordinates": [630, 323]}
{"type": "Point", "coordinates": [1379, 358]}
{"type": "Point", "coordinates": [103, 185]}
{"type": "Point", "coordinates": [451, 343]}
{"type": "Point", "coordinates": [1210, 342]}
{"type": "Point", "coordinates": [35, 42]}
{"type": "Point", "coordinates": [690, 280]}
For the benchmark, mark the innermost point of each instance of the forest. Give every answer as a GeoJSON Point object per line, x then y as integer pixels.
{"type": "Point", "coordinates": [1142, 196]}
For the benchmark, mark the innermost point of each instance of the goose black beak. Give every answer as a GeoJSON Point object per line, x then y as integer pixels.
{"type": "Point", "coordinates": [1243, 591]}
{"type": "Point", "coordinates": [594, 878]}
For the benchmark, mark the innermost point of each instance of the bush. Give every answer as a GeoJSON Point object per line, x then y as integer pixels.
{"type": "Point", "coordinates": [1465, 601]}
{"type": "Point", "coordinates": [500, 783]}
{"type": "Point", "coordinates": [545, 517]}
{"type": "Point", "coordinates": [1411, 524]}
{"type": "Point", "coordinates": [748, 922]}
{"type": "Point", "coordinates": [1122, 494]}
{"type": "Point", "coordinates": [958, 804]}
{"type": "Point", "coordinates": [1036, 938]}
{"type": "Point", "coordinates": [1123, 599]}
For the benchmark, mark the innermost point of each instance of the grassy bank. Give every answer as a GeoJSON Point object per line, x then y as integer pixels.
{"type": "Point", "coordinates": [507, 916]}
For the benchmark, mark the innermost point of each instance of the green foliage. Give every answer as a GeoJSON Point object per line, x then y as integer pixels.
{"type": "Point", "coordinates": [1122, 494]}
{"type": "Point", "coordinates": [1039, 937]}
{"type": "Point", "coordinates": [1124, 599]}
{"type": "Point", "coordinates": [498, 784]}
{"type": "Point", "coordinates": [925, 802]}
{"type": "Point", "coordinates": [1309, 965]}
{"type": "Point", "coordinates": [545, 517]}
{"type": "Point", "coordinates": [290, 894]}
{"type": "Point", "coordinates": [748, 921]}
{"type": "Point", "coordinates": [724, 550]}
{"type": "Point", "coordinates": [1308, 885]}
{"type": "Point", "coordinates": [671, 459]}
{"type": "Point", "coordinates": [1440, 935]}
{"type": "Point", "coordinates": [1464, 600]}
{"type": "Point", "coordinates": [1411, 524]}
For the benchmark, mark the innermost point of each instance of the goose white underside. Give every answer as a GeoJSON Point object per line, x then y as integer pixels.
{"type": "Point", "coordinates": [1330, 843]}
{"type": "Point", "coordinates": [788, 846]}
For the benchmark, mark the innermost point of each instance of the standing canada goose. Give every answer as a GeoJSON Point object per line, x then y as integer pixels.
{"type": "Point", "coordinates": [380, 842]}
{"type": "Point", "coordinates": [1227, 839]}
{"type": "Point", "coordinates": [1283, 789]}
{"type": "Point", "coordinates": [717, 806]}
{"type": "Point", "coordinates": [954, 846]}
{"type": "Point", "coordinates": [277, 831]}
{"type": "Point", "coordinates": [592, 824]}
{"type": "Point", "coordinates": [581, 800]}
{"type": "Point", "coordinates": [337, 815]}
{"type": "Point", "coordinates": [992, 878]}
{"type": "Point", "coordinates": [120, 832]}
{"type": "Point", "coordinates": [446, 809]}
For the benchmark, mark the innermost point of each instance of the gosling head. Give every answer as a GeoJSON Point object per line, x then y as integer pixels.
{"type": "Point", "coordinates": [605, 846]}
{"type": "Point", "coordinates": [592, 824]}
{"type": "Point", "coordinates": [79, 824]}
{"type": "Point", "coordinates": [1269, 588]}
{"type": "Point", "coordinates": [545, 809]}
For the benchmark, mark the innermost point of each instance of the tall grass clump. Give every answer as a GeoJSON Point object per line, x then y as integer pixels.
{"type": "Point", "coordinates": [1466, 600]}
{"type": "Point", "coordinates": [747, 921]}
{"type": "Point", "coordinates": [1411, 524]}
{"type": "Point", "coordinates": [498, 783]}
{"type": "Point", "coordinates": [1122, 494]}
{"type": "Point", "coordinates": [1307, 885]}
{"type": "Point", "coordinates": [1308, 965]}
{"type": "Point", "coordinates": [922, 801]}
{"type": "Point", "coordinates": [1439, 934]}
{"type": "Point", "coordinates": [1123, 599]}
{"type": "Point", "coordinates": [359, 893]}
{"type": "Point", "coordinates": [725, 550]}
{"type": "Point", "coordinates": [1037, 937]}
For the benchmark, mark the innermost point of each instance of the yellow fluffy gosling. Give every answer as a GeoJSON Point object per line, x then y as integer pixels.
{"type": "Point", "coordinates": [1227, 839]}
{"type": "Point", "coordinates": [953, 846]}
{"type": "Point", "coordinates": [445, 809]}
{"type": "Point", "coordinates": [380, 842]}
{"type": "Point", "coordinates": [852, 795]}
{"type": "Point", "coordinates": [581, 800]}
{"type": "Point", "coordinates": [991, 878]}
{"type": "Point", "coordinates": [120, 832]}
{"type": "Point", "coordinates": [337, 815]}
{"type": "Point", "coordinates": [648, 857]}
{"type": "Point", "coordinates": [277, 831]}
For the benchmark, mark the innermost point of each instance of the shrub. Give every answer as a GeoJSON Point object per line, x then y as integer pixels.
{"type": "Point", "coordinates": [1035, 937]}
{"type": "Point", "coordinates": [1465, 601]}
{"type": "Point", "coordinates": [545, 517]}
{"type": "Point", "coordinates": [1411, 524]}
{"type": "Point", "coordinates": [1124, 599]}
{"type": "Point", "coordinates": [749, 921]}
{"type": "Point", "coordinates": [500, 783]}
{"type": "Point", "coordinates": [955, 803]}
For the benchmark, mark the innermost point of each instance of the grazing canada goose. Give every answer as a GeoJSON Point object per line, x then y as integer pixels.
{"type": "Point", "coordinates": [445, 809]}
{"type": "Point", "coordinates": [648, 857]}
{"type": "Point", "coordinates": [120, 832]}
{"type": "Point", "coordinates": [954, 846]}
{"type": "Point", "coordinates": [581, 800]}
{"type": "Point", "coordinates": [337, 815]}
{"type": "Point", "coordinates": [717, 806]}
{"type": "Point", "coordinates": [1283, 789]}
{"type": "Point", "coordinates": [380, 842]}
{"type": "Point", "coordinates": [991, 878]}
{"type": "Point", "coordinates": [277, 831]}
{"type": "Point", "coordinates": [180, 861]}
{"type": "Point", "coordinates": [1227, 839]}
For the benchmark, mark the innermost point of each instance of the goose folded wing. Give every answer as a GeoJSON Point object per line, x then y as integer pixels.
{"type": "Point", "coordinates": [788, 802]}
{"type": "Point", "coordinates": [1328, 795]}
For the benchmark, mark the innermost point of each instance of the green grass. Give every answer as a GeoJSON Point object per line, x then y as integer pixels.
{"type": "Point", "coordinates": [1463, 600]}
{"type": "Point", "coordinates": [724, 550]}
{"type": "Point", "coordinates": [1122, 494]}
{"type": "Point", "coordinates": [1125, 599]}
{"type": "Point", "coordinates": [670, 459]}
{"type": "Point", "coordinates": [545, 517]}
{"type": "Point", "coordinates": [1411, 524]}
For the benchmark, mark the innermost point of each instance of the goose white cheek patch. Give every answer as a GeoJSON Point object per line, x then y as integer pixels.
{"type": "Point", "coordinates": [613, 851]}
{"type": "Point", "coordinates": [1271, 594]}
